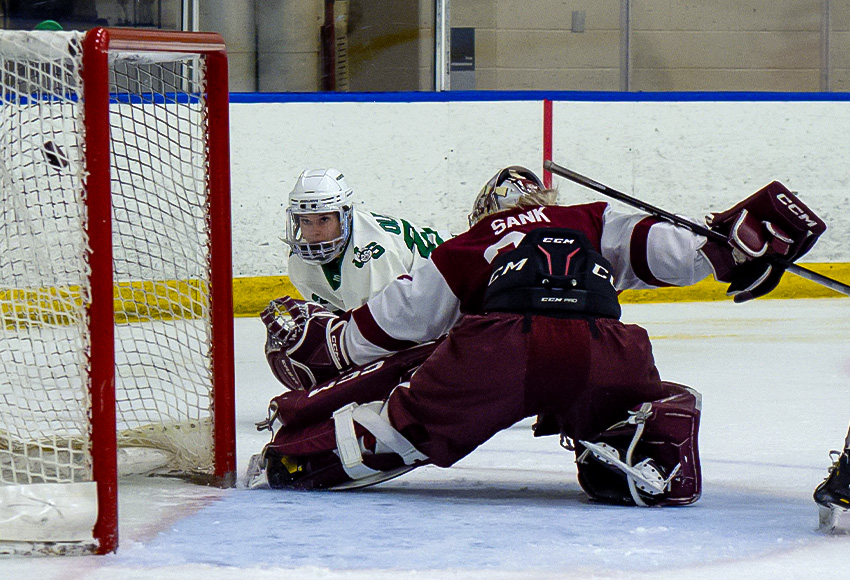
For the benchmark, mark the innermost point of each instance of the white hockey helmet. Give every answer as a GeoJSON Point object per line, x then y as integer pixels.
{"type": "Point", "coordinates": [319, 191]}
{"type": "Point", "coordinates": [503, 191]}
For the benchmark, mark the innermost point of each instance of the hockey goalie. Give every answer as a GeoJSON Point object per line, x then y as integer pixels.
{"type": "Point", "coordinates": [516, 317]}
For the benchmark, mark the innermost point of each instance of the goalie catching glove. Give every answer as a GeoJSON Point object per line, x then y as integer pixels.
{"type": "Point", "coordinates": [304, 343]}
{"type": "Point", "coordinates": [772, 223]}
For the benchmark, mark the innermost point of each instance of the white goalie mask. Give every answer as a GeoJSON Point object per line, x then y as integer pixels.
{"type": "Point", "coordinates": [503, 191]}
{"type": "Point", "coordinates": [319, 191]}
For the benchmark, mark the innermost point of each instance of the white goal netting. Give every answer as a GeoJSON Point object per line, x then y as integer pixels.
{"type": "Point", "coordinates": [160, 255]}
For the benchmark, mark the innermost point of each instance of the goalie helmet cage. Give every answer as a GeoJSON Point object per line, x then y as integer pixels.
{"type": "Point", "coordinates": [121, 348]}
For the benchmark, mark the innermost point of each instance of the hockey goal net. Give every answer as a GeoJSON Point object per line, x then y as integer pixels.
{"type": "Point", "coordinates": [116, 345]}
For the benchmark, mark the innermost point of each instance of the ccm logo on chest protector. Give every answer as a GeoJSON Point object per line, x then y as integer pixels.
{"type": "Point", "coordinates": [603, 272]}
{"type": "Point", "coordinates": [502, 270]}
{"type": "Point", "coordinates": [558, 241]}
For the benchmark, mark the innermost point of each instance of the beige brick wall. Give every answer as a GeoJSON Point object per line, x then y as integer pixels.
{"type": "Point", "coordinates": [839, 40]}
{"type": "Point", "coordinates": [527, 44]}
{"type": "Point", "coordinates": [687, 45]}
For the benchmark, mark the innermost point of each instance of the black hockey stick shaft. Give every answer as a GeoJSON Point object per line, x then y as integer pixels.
{"type": "Point", "coordinates": [553, 167]}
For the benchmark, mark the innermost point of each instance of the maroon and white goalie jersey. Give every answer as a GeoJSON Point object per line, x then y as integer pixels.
{"type": "Point", "coordinates": [644, 252]}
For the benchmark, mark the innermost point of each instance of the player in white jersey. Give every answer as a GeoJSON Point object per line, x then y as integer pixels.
{"type": "Point", "coordinates": [341, 256]}
{"type": "Point", "coordinates": [527, 301]}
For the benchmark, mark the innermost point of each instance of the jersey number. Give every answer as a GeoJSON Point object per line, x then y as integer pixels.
{"type": "Point", "coordinates": [510, 239]}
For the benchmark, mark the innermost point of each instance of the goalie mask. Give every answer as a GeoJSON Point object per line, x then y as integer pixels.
{"type": "Point", "coordinates": [319, 191]}
{"type": "Point", "coordinates": [503, 191]}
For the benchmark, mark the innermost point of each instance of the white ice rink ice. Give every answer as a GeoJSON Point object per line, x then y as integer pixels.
{"type": "Point", "coordinates": [775, 379]}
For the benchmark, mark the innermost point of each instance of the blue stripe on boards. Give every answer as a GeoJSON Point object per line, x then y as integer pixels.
{"type": "Point", "coordinates": [588, 96]}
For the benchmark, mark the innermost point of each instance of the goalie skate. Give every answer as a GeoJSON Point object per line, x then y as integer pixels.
{"type": "Point", "coordinates": [319, 473]}
{"type": "Point", "coordinates": [646, 476]}
{"type": "Point", "coordinates": [833, 496]}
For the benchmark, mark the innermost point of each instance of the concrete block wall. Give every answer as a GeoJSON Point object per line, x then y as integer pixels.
{"type": "Point", "coordinates": [727, 45]}
{"type": "Point", "coordinates": [840, 46]}
{"type": "Point", "coordinates": [529, 45]}
{"type": "Point", "coordinates": [723, 45]}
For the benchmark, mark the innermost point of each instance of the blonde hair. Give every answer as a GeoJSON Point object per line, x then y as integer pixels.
{"type": "Point", "coordinates": [538, 197]}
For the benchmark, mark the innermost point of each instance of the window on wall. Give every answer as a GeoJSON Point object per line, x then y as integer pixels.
{"type": "Point", "coordinates": [86, 14]}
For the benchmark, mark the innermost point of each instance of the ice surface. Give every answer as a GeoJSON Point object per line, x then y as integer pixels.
{"type": "Point", "coordinates": [775, 379]}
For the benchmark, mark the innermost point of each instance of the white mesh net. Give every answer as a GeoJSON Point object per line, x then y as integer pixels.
{"type": "Point", "coordinates": [160, 260]}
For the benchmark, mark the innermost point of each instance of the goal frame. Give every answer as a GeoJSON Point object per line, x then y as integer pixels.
{"type": "Point", "coordinates": [97, 45]}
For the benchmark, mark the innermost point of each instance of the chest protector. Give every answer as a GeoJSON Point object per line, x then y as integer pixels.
{"type": "Point", "coordinates": [556, 272]}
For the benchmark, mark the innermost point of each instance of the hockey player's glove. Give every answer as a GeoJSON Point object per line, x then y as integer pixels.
{"type": "Point", "coordinates": [304, 344]}
{"type": "Point", "coordinates": [772, 223]}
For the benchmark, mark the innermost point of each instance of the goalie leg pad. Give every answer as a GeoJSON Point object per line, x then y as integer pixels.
{"type": "Point", "coordinates": [371, 382]}
{"type": "Point", "coordinates": [373, 417]}
{"type": "Point", "coordinates": [651, 458]}
{"type": "Point", "coordinates": [357, 448]}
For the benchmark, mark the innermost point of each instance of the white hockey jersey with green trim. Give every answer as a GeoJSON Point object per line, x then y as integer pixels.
{"type": "Point", "coordinates": [381, 248]}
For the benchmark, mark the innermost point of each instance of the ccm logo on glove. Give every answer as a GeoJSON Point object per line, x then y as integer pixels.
{"type": "Point", "coordinates": [796, 210]}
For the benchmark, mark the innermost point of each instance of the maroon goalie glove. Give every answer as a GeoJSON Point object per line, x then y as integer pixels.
{"type": "Point", "coordinates": [772, 223]}
{"type": "Point", "coordinates": [295, 332]}
{"type": "Point", "coordinates": [305, 343]}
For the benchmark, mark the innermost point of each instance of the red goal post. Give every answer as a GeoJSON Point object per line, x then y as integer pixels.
{"type": "Point", "coordinates": [132, 126]}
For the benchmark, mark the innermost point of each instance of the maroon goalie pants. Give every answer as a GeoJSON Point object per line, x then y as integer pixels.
{"type": "Point", "coordinates": [496, 369]}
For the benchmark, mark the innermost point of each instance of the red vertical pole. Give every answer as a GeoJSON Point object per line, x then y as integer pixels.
{"type": "Point", "coordinates": [221, 267]}
{"type": "Point", "coordinates": [547, 139]}
{"type": "Point", "coordinates": [97, 187]}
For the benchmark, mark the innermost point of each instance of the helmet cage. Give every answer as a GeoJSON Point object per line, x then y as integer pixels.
{"type": "Point", "coordinates": [503, 191]}
{"type": "Point", "coordinates": [318, 252]}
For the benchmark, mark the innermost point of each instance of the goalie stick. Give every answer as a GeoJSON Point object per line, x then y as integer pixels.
{"type": "Point", "coordinates": [553, 167]}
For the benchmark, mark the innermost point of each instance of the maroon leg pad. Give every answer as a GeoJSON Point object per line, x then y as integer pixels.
{"type": "Point", "coordinates": [670, 438]}
{"type": "Point", "coordinates": [371, 382]}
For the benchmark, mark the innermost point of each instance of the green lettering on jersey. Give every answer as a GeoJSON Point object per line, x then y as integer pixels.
{"type": "Point", "coordinates": [387, 223]}
{"type": "Point", "coordinates": [423, 241]}
{"type": "Point", "coordinates": [423, 244]}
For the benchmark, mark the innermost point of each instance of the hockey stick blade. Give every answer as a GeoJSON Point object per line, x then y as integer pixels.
{"type": "Point", "coordinates": [553, 167]}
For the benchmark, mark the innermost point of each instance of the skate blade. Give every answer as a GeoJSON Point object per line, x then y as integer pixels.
{"type": "Point", "coordinates": [372, 479]}
{"type": "Point", "coordinates": [833, 520]}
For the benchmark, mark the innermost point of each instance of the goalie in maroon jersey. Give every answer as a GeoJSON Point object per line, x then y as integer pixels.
{"type": "Point", "coordinates": [524, 311]}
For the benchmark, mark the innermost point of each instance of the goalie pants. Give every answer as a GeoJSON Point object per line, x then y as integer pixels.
{"type": "Point", "coordinates": [496, 369]}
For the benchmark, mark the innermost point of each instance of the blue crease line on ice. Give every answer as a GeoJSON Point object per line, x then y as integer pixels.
{"type": "Point", "coordinates": [444, 525]}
